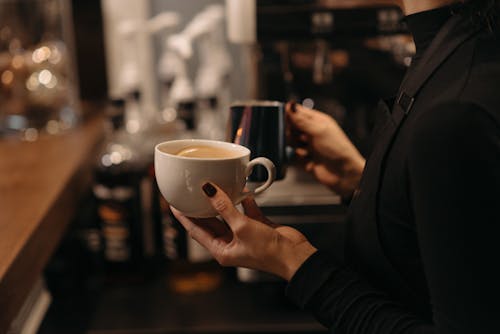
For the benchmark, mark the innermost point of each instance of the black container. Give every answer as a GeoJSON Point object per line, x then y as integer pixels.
{"type": "Point", "coordinates": [260, 126]}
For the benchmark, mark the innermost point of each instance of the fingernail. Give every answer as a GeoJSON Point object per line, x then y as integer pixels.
{"type": "Point", "coordinates": [293, 106]}
{"type": "Point", "coordinates": [209, 189]}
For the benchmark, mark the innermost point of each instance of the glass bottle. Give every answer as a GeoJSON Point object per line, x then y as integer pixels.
{"type": "Point", "coordinates": [123, 189]}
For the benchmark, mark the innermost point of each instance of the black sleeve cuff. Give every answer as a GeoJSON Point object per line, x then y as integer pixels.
{"type": "Point", "coordinates": [309, 278]}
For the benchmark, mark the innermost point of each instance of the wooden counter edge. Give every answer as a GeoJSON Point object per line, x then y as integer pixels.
{"type": "Point", "coordinates": [29, 263]}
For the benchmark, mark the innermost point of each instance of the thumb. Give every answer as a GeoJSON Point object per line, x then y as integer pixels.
{"type": "Point", "coordinates": [221, 203]}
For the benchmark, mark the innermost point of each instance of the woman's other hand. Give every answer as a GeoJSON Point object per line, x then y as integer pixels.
{"type": "Point", "coordinates": [323, 147]}
{"type": "Point", "coordinates": [247, 240]}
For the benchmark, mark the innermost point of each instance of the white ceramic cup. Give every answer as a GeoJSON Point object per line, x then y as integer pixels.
{"type": "Point", "coordinates": [180, 178]}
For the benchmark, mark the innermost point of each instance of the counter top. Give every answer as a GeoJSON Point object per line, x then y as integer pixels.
{"type": "Point", "coordinates": [40, 187]}
{"type": "Point", "coordinates": [146, 303]}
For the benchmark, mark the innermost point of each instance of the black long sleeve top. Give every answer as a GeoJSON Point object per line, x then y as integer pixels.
{"type": "Point", "coordinates": [438, 211]}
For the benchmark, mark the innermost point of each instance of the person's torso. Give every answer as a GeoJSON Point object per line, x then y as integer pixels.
{"type": "Point", "coordinates": [469, 74]}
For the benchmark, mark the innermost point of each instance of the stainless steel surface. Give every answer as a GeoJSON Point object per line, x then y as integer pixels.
{"type": "Point", "coordinates": [297, 189]}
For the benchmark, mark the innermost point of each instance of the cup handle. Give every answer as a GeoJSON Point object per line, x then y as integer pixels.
{"type": "Point", "coordinates": [271, 175]}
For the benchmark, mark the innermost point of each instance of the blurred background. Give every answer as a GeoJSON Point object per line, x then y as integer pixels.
{"type": "Point", "coordinates": [134, 73]}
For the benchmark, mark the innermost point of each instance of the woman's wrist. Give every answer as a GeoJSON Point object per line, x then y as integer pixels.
{"type": "Point", "coordinates": [350, 174]}
{"type": "Point", "coordinates": [354, 163]}
{"type": "Point", "coordinates": [295, 257]}
{"type": "Point", "coordinates": [353, 170]}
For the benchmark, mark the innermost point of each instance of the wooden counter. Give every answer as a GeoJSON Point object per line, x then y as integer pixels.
{"type": "Point", "coordinates": [40, 187]}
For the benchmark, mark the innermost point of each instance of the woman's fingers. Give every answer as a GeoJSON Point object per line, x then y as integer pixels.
{"type": "Point", "coordinates": [185, 221]}
{"type": "Point", "coordinates": [301, 152]}
{"type": "Point", "coordinates": [290, 107]}
{"type": "Point", "coordinates": [251, 208]}
{"type": "Point", "coordinates": [304, 139]}
{"type": "Point", "coordinates": [217, 227]}
{"type": "Point", "coordinates": [205, 237]}
{"type": "Point", "coordinates": [309, 166]}
{"type": "Point", "coordinates": [222, 204]}
{"type": "Point", "coordinates": [295, 108]}
{"type": "Point", "coordinates": [302, 118]}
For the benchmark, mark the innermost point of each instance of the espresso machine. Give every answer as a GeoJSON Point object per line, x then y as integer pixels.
{"type": "Point", "coordinates": [336, 56]}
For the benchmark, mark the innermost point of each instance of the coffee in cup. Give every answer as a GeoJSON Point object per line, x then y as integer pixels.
{"type": "Point", "coordinates": [205, 151]}
{"type": "Point", "coordinates": [182, 167]}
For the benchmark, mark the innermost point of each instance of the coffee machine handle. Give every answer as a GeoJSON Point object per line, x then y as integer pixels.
{"type": "Point", "coordinates": [271, 176]}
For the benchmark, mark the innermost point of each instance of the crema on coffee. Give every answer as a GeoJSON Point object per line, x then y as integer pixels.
{"type": "Point", "coordinates": [207, 152]}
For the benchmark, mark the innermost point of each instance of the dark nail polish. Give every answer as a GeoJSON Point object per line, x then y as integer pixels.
{"type": "Point", "coordinates": [293, 106]}
{"type": "Point", "coordinates": [209, 189]}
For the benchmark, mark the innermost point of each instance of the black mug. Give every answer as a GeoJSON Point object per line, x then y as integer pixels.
{"type": "Point", "coordinates": [260, 126]}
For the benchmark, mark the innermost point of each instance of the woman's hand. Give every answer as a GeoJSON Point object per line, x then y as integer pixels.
{"type": "Point", "coordinates": [325, 149]}
{"type": "Point", "coordinates": [247, 240]}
